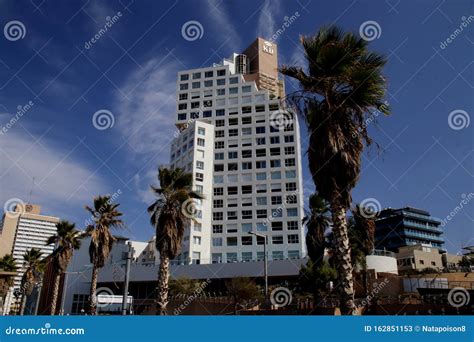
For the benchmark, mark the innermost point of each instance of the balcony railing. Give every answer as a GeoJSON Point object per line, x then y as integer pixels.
{"type": "Point", "coordinates": [383, 252]}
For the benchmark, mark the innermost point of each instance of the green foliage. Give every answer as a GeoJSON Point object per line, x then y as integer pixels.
{"type": "Point", "coordinates": [317, 221]}
{"type": "Point", "coordinates": [314, 278]}
{"type": "Point", "coordinates": [106, 216]}
{"type": "Point", "coordinates": [243, 291]}
{"type": "Point", "coordinates": [172, 209]}
{"type": "Point", "coordinates": [7, 263]}
{"type": "Point", "coordinates": [184, 286]}
{"type": "Point", "coordinates": [66, 240]}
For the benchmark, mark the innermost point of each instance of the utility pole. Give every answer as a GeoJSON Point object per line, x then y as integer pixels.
{"type": "Point", "coordinates": [265, 264]}
{"type": "Point", "coordinates": [128, 258]}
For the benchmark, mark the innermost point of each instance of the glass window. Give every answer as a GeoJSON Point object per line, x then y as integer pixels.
{"type": "Point", "coordinates": [246, 227]}
{"type": "Point", "coordinates": [277, 240]}
{"type": "Point", "coordinates": [232, 241]}
{"type": "Point", "coordinates": [217, 229]}
{"type": "Point", "coordinates": [292, 212]}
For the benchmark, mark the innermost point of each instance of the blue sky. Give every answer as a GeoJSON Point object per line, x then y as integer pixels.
{"type": "Point", "coordinates": [131, 72]}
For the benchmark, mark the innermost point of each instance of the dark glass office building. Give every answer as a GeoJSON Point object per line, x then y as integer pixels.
{"type": "Point", "coordinates": [407, 226]}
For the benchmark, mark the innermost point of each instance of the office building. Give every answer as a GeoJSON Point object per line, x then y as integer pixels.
{"type": "Point", "coordinates": [407, 226]}
{"type": "Point", "coordinates": [23, 229]}
{"type": "Point", "coordinates": [243, 149]}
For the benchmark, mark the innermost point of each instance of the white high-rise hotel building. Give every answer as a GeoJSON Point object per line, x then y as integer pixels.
{"type": "Point", "coordinates": [245, 158]}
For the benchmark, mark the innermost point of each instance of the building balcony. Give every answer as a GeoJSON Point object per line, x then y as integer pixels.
{"type": "Point", "coordinates": [422, 226]}
{"type": "Point", "coordinates": [423, 236]}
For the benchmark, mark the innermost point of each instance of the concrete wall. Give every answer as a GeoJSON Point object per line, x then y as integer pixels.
{"type": "Point", "coordinates": [381, 263]}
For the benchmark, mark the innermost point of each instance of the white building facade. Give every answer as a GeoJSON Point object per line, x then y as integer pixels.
{"type": "Point", "coordinates": [243, 150]}
{"type": "Point", "coordinates": [26, 229]}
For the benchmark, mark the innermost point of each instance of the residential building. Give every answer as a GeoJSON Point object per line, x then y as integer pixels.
{"type": "Point", "coordinates": [243, 149]}
{"type": "Point", "coordinates": [419, 257]}
{"type": "Point", "coordinates": [23, 229]}
{"type": "Point", "coordinates": [405, 227]}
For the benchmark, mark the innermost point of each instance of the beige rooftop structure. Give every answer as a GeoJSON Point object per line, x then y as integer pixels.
{"type": "Point", "coordinates": [261, 66]}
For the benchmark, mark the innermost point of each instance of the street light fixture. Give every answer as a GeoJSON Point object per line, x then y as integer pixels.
{"type": "Point", "coordinates": [265, 262]}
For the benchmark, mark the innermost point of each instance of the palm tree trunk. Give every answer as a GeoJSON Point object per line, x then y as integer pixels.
{"type": "Point", "coordinates": [343, 259]}
{"type": "Point", "coordinates": [54, 300]}
{"type": "Point", "coordinates": [163, 276]}
{"type": "Point", "coordinates": [22, 305]}
{"type": "Point", "coordinates": [93, 294]}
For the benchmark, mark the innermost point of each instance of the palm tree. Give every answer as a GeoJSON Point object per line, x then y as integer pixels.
{"type": "Point", "coordinates": [105, 216]}
{"type": "Point", "coordinates": [7, 264]}
{"type": "Point", "coordinates": [341, 85]}
{"type": "Point", "coordinates": [66, 240]}
{"type": "Point", "coordinates": [34, 264]}
{"type": "Point", "coordinates": [362, 236]}
{"type": "Point", "coordinates": [317, 222]}
{"type": "Point", "coordinates": [170, 214]}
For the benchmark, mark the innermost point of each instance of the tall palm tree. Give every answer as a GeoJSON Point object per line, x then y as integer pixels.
{"type": "Point", "coordinates": [66, 240]}
{"type": "Point", "coordinates": [105, 216]}
{"type": "Point", "coordinates": [362, 236]}
{"type": "Point", "coordinates": [170, 214]}
{"type": "Point", "coordinates": [34, 264]}
{"type": "Point", "coordinates": [340, 88]}
{"type": "Point", "coordinates": [7, 264]}
{"type": "Point", "coordinates": [317, 222]}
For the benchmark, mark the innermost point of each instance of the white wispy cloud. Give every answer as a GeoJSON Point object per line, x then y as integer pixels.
{"type": "Point", "coordinates": [223, 23]}
{"type": "Point", "coordinates": [266, 20]}
{"type": "Point", "coordinates": [146, 109]}
{"type": "Point", "coordinates": [63, 182]}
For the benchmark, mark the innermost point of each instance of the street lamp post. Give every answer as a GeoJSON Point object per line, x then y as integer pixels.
{"type": "Point", "coordinates": [129, 257]}
{"type": "Point", "coordinates": [265, 262]}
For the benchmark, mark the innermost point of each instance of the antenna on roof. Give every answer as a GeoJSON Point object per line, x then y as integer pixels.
{"type": "Point", "coordinates": [31, 190]}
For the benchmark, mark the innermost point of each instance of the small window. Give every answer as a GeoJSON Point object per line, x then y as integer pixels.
{"type": "Point", "coordinates": [247, 241]}
{"type": "Point", "coordinates": [217, 229]}
{"type": "Point", "coordinates": [184, 77]}
{"type": "Point", "coordinates": [277, 240]}
{"type": "Point", "coordinates": [201, 131]}
{"type": "Point", "coordinates": [200, 142]}
{"type": "Point", "coordinates": [232, 241]}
